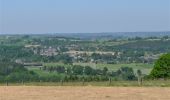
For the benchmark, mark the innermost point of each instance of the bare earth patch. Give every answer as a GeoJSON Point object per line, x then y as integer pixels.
{"type": "Point", "coordinates": [83, 93]}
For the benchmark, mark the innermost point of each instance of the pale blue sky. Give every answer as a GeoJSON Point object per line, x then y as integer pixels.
{"type": "Point", "coordinates": [55, 16]}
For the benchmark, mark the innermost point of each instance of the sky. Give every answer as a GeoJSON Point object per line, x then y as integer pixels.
{"type": "Point", "coordinates": [81, 16]}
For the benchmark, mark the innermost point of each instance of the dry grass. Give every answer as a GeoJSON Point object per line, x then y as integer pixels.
{"type": "Point", "coordinates": [83, 93]}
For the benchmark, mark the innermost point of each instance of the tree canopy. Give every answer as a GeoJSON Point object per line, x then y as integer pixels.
{"type": "Point", "coordinates": [162, 67]}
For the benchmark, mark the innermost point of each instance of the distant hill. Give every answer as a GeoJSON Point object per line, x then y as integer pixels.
{"type": "Point", "coordinates": [112, 35]}
{"type": "Point", "coordinates": [103, 35]}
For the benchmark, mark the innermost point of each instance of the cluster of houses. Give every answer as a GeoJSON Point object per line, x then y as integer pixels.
{"type": "Point", "coordinates": [48, 51]}
{"type": "Point", "coordinates": [75, 54]}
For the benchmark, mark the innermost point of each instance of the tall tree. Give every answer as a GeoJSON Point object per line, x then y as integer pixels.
{"type": "Point", "coordinates": [162, 67]}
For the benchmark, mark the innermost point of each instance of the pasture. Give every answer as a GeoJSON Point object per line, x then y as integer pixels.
{"type": "Point", "coordinates": [145, 68]}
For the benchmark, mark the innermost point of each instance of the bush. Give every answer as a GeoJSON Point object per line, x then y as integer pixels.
{"type": "Point", "coordinates": [125, 73]}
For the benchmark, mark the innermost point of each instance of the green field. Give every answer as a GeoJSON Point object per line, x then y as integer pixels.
{"type": "Point", "coordinates": [145, 68]}
{"type": "Point", "coordinates": [56, 64]}
{"type": "Point", "coordinates": [42, 73]}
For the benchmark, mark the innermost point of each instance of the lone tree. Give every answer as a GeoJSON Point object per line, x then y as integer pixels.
{"type": "Point", "coordinates": [105, 70]}
{"type": "Point", "coordinates": [161, 68]}
{"type": "Point", "coordinates": [139, 73]}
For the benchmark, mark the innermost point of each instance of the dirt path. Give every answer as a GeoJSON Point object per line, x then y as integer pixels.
{"type": "Point", "coordinates": [83, 93]}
